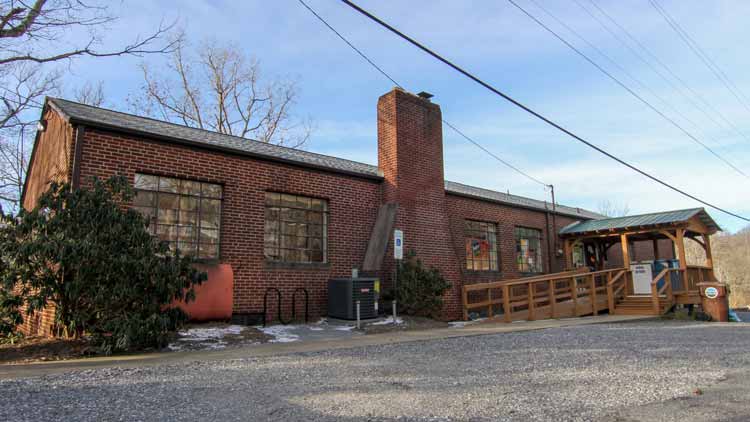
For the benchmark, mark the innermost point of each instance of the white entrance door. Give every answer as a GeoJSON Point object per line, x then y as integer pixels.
{"type": "Point", "coordinates": [642, 277]}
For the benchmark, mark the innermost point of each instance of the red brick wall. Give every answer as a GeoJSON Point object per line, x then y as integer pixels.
{"type": "Point", "coordinates": [506, 218]}
{"type": "Point", "coordinates": [352, 201]}
{"type": "Point", "coordinates": [640, 251]}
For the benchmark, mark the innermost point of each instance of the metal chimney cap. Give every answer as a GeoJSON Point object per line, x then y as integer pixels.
{"type": "Point", "coordinates": [425, 95]}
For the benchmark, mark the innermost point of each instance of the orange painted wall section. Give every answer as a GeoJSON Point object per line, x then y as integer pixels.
{"type": "Point", "coordinates": [213, 298]}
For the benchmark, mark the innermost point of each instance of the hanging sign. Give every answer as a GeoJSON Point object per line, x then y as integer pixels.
{"type": "Point", "coordinates": [398, 244]}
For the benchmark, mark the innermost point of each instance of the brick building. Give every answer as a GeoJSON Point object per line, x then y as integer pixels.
{"type": "Point", "coordinates": [262, 216]}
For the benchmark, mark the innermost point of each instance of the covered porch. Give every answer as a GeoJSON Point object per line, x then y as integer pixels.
{"type": "Point", "coordinates": [601, 277]}
{"type": "Point", "coordinates": [671, 280]}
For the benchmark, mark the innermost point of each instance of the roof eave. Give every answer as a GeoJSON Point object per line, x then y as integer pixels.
{"type": "Point", "coordinates": [510, 204]}
{"type": "Point", "coordinates": [217, 148]}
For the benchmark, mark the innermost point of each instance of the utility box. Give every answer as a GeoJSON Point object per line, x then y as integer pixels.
{"type": "Point", "coordinates": [715, 300]}
{"type": "Point", "coordinates": [343, 294]}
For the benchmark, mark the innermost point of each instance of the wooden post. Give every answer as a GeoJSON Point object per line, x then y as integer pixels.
{"type": "Point", "coordinates": [552, 299]}
{"type": "Point", "coordinates": [610, 295]}
{"type": "Point", "coordinates": [670, 294]}
{"type": "Point", "coordinates": [532, 315]}
{"type": "Point", "coordinates": [681, 248]}
{"type": "Point", "coordinates": [680, 245]}
{"type": "Point", "coordinates": [489, 303]}
{"type": "Point", "coordinates": [506, 303]}
{"type": "Point", "coordinates": [567, 250]}
{"type": "Point", "coordinates": [655, 298]}
{"type": "Point", "coordinates": [574, 294]}
{"type": "Point", "coordinates": [656, 248]}
{"type": "Point", "coordinates": [625, 250]}
{"type": "Point", "coordinates": [709, 256]}
{"type": "Point", "coordinates": [593, 295]}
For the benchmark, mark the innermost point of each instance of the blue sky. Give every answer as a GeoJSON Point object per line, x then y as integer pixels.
{"type": "Point", "coordinates": [338, 90]}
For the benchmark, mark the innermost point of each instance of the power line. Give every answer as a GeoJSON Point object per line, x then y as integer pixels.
{"type": "Point", "coordinates": [614, 63]}
{"type": "Point", "coordinates": [627, 88]}
{"type": "Point", "coordinates": [698, 51]}
{"type": "Point", "coordinates": [532, 112]}
{"type": "Point", "coordinates": [384, 73]}
{"type": "Point", "coordinates": [658, 61]}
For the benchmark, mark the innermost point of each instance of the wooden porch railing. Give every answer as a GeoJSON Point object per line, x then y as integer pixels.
{"type": "Point", "coordinates": [695, 274]}
{"type": "Point", "coordinates": [665, 291]}
{"type": "Point", "coordinates": [570, 293]}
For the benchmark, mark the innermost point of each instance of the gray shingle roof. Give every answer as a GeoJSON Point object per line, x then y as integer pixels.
{"type": "Point", "coordinates": [632, 221]}
{"type": "Point", "coordinates": [99, 117]}
{"type": "Point", "coordinates": [129, 123]}
{"type": "Point", "coordinates": [520, 201]}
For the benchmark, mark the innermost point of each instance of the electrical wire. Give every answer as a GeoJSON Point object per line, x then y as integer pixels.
{"type": "Point", "coordinates": [661, 63]}
{"type": "Point", "coordinates": [624, 71]}
{"type": "Point", "coordinates": [698, 51]}
{"type": "Point", "coordinates": [454, 128]}
{"type": "Point", "coordinates": [628, 89]}
{"type": "Point", "coordinates": [532, 112]}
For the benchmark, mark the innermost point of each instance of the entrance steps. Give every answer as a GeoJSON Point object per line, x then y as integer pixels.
{"type": "Point", "coordinates": [641, 305]}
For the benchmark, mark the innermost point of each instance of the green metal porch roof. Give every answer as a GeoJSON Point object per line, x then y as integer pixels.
{"type": "Point", "coordinates": [643, 220]}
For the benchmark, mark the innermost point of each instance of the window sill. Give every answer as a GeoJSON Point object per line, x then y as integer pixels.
{"type": "Point", "coordinates": [483, 273]}
{"type": "Point", "coordinates": [276, 265]}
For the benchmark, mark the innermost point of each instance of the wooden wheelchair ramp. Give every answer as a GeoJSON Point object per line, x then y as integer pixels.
{"type": "Point", "coordinates": [581, 292]}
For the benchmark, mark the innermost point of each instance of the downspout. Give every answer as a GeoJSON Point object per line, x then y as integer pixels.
{"type": "Point", "coordinates": [554, 218]}
{"type": "Point", "coordinates": [549, 252]}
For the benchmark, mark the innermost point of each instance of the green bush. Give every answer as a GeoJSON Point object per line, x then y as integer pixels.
{"type": "Point", "coordinates": [94, 259]}
{"type": "Point", "coordinates": [10, 315]}
{"type": "Point", "coordinates": [420, 290]}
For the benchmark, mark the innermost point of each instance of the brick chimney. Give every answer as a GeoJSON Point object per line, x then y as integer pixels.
{"type": "Point", "coordinates": [410, 148]}
{"type": "Point", "coordinates": [410, 154]}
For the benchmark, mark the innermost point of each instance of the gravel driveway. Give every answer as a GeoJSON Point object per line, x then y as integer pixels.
{"type": "Point", "coordinates": [596, 372]}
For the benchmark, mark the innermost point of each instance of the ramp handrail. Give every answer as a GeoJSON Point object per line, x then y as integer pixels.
{"type": "Point", "coordinates": [568, 293]}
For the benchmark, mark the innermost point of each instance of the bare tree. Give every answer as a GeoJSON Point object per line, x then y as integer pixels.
{"type": "Point", "coordinates": [611, 209]}
{"type": "Point", "coordinates": [35, 40]}
{"type": "Point", "coordinates": [91, 94]}
{"type": "Point", "coordinates": [220, 89]}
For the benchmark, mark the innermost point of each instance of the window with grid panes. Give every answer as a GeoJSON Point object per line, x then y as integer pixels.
{"type": "Point", "coordinates": [184, 213]}
{"type": "Point", "coordinates": [296, 228]}
{"type": "Point", "coordinates": [529, 250]}
{"type": "Point", "coordinates": [481, 246]}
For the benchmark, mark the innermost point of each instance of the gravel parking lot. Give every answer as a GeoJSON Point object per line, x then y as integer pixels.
{"type": "Point", "coordinates": [629, 371]}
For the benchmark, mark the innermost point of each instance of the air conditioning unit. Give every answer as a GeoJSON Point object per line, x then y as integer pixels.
{"type": "Point", "coordinates": [343, 294]}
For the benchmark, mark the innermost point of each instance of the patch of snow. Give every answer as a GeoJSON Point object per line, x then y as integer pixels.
{"type": "Point", "coordinates": [344, 328]}
{"type": "Point", "coordinates": [388, 321]}
{"type": "Point", "coordinates": [280, 333]}
{"type": "Point", "coordinates": [214, 333]}
{"type": "Point", "coordinates": [315, 328]}
{"type": "Point", "coordinates": [461, 324]}
{"type": "Point", "coordinates": [204, 338]}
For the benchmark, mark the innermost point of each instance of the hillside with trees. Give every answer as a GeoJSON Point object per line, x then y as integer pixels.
{"type": "Point", "coordinates": [731, 263]}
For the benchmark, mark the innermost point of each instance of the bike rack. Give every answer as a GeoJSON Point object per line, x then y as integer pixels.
{"type": "Point", "coordinates": [307, 303]}
{"type": "Point", "coordinates": [278, 304]}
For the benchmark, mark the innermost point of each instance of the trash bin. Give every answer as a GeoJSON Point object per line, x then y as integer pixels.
{"type": "Point", "coordinates": [677, 282]}
{"type": "Point", "coordinates": [715, 300]}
